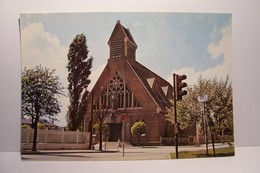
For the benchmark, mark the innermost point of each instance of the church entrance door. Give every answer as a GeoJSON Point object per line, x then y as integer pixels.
{"type": "Point", "coordinates": [115, 132]}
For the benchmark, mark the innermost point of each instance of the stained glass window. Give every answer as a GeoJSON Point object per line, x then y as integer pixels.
{"type": "Point", "coordinates": [118, 95]}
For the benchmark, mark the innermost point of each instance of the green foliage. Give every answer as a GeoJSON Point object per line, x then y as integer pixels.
{"type": "Point", "coordinates": [39, 90]}
{"type": "Point", "coordinates": [96, 127]}
{"type": "Point", "coordinates": [218, 109]}
{"type": "Point", "coordinates": [101, 115]}
{"type": "Point", "coordinates": [220, 152]}
{"type": "Point", "coordinates": [79, 66]}
{"type": "Point", "coordinates": [41, 126]}
{"type": "Point", "coordinates": [26, 126]}
{"type": "Point", "coordinates": [139, 128]}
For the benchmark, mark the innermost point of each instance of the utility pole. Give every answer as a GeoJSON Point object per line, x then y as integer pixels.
{"type": "Point", "coordinates": [91, 124]}
{"type": "Point", "coordinates": [175, 118]}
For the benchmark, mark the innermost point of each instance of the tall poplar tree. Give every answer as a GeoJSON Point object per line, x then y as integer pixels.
{"type": "Point", "coordinates": [79, 68]}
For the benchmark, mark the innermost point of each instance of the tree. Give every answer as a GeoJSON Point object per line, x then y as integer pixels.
{"type": "Point", "coordinates": [139, 128]}
{"type": "Point", "coordinates": [218, 109]}
{"type": "Point", "coordinates": [79, 68]}
{"type": "Point", "coordinates": [39, 90]}
{"type": "Point", "coordinates": [101, 115]}
{"type": "Point", "coordinates": [188, 111]}
{"type": "Point", "coordinates": [97, 129]}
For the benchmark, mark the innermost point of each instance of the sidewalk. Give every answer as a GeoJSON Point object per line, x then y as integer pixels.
{"type": "Point", "coordinates": [28, 152]}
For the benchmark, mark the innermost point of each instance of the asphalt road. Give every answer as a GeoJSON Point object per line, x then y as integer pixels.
{"type": "Point", "coordinates": [111, 154]}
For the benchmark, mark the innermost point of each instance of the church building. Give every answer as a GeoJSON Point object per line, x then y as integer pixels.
{"type": "Point", "coordinates": [126, 86]}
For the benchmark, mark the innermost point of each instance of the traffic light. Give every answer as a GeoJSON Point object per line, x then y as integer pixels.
{"type": "Point", "coordinates": [179, 85]}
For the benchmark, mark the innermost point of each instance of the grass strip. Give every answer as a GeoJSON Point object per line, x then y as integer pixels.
{"type": "Point", "coordinates": [220, 152]}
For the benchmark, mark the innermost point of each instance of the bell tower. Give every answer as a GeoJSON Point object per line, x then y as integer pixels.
{"type": "Point", "coordinates": [121, 43]}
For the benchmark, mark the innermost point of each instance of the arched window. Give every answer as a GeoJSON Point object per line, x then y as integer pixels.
{"type": "Point", "coordinates": [118, 95]}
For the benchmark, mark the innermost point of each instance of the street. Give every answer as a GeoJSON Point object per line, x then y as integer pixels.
{"type": "Point", "coordinates": [110, 154]}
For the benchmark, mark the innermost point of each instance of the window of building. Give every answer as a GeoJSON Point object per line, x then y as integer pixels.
{"type": "Point", "coordinates": [118, 95]}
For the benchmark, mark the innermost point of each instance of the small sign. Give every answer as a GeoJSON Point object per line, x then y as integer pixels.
{"type": "Point", "coordinates": [123, 117]}
{"type": "Point", "coordinates": [203, 99]}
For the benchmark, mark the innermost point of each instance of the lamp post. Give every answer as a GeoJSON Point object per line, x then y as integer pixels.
{"type": "Point", "coordinates": [203, 99]}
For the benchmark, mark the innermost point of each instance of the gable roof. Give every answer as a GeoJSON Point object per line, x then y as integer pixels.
{"type": "Point", "coordinates": [135, 75]}
{"type": "Point", "coordinates": [155, 85]}
{"type": "Point", "coordinates": [126, 32]}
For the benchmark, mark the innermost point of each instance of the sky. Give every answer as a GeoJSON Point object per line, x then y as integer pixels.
{"type": "Point", "coordinates": [194, 44]}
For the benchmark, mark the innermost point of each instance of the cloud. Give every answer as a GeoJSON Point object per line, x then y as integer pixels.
{"type": "Point", "coordinates": [216, 49]}
{"type": "Point", "coordinates": [220, 48]}
{"type": "Point", "coordinates": [39, 47]}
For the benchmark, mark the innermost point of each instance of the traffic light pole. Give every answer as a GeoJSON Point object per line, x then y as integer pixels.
{"type": "Point", "coordinates": [175, 116]}
{"type": "Point", "coordinates": [178, 85]}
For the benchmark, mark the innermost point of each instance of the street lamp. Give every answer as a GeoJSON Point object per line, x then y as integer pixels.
{"type": "Point", "coordinates": [203, 99]}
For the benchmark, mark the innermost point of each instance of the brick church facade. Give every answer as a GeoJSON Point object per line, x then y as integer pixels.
{"type": "Point", "coordinates": [126, 86]}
